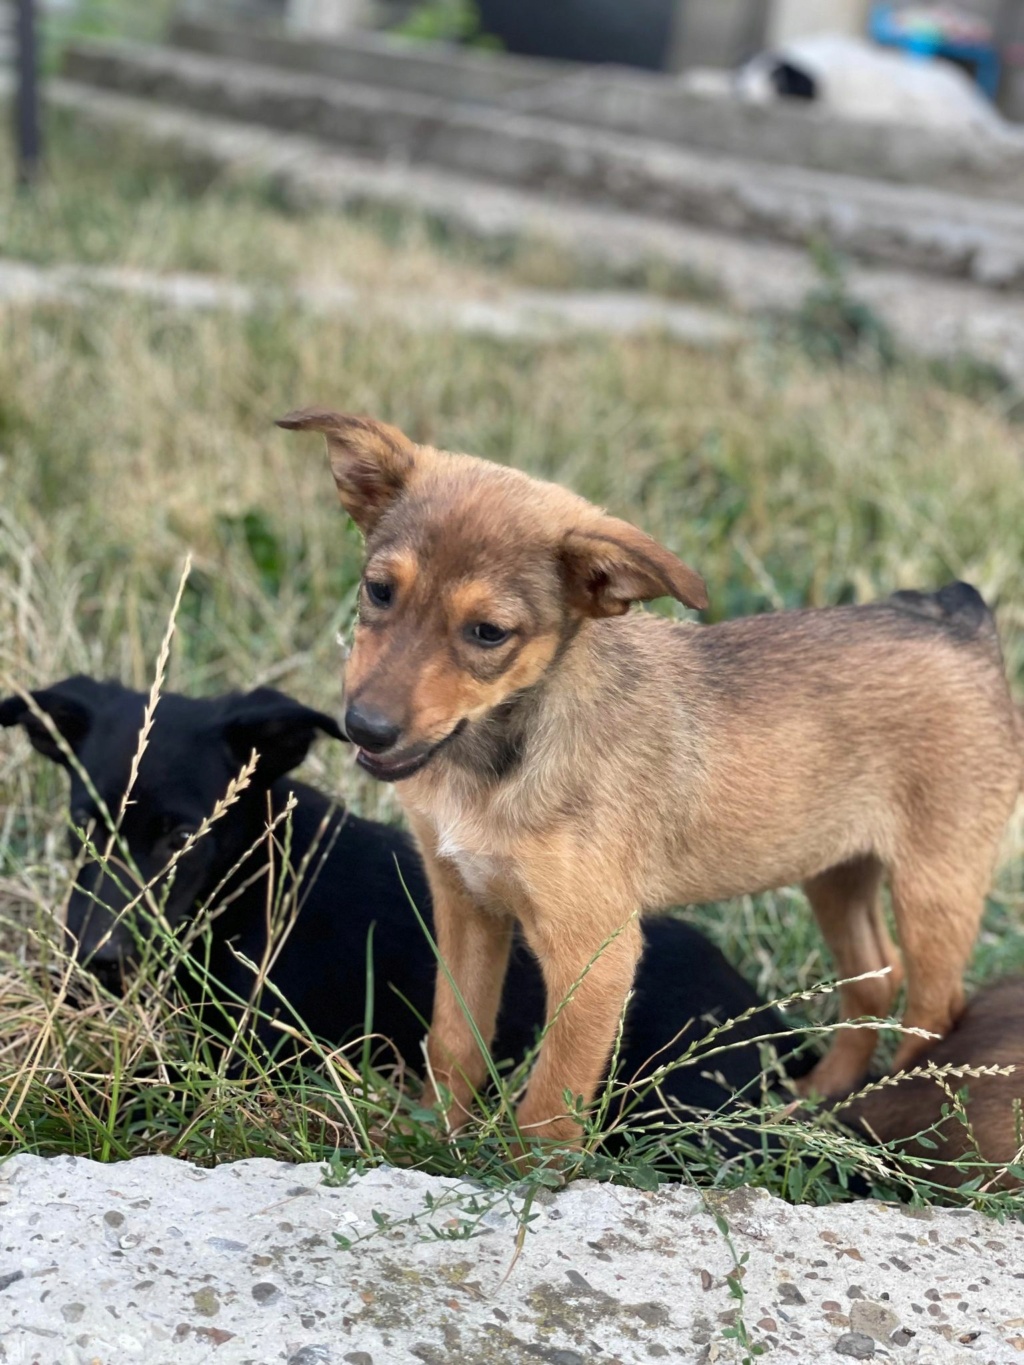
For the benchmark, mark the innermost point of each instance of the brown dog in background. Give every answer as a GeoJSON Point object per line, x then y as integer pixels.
{"type": "Point", "coordinates": [986, 1048]}
{"type": "Point", "coordinates": [566, 764]}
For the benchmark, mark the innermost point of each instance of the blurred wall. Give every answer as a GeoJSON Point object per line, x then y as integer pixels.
{"type": "Point", "coordinates": [228, 11]}
{"type": "Point", "coordinates": [799, 18]}
{"type": "Point", "coordinates": [636, 32]}
{"type": "Point", "coordinates": [720, 33]}
{"type": "Point", "coordinates": [329, 18]}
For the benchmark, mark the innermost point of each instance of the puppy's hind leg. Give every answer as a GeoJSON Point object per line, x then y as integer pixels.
{"type": "Point", "coordinates": [846, 901]}
{"type": "Point", "coordinates": [938, 914]}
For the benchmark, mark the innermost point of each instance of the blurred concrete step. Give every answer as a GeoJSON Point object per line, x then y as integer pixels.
{"type": "Point", "coordinates": [370, 58]}
{"type": "Point", "coordinates": [530, 314]}
{"type": "Point", "coordinates": [925, 229]}
{"type": "Point", "coordinates": [966, 159]}
{"type": "Point", "coordinates": [947, 318]}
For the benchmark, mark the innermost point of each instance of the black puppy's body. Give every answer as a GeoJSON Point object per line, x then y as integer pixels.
{"type": "Point", "coordinates": [352, 875]}
{"type": "Point", "coordinates": [352, 900]}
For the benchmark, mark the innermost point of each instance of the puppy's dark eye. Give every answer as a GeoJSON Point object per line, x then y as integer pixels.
{"type": "Point", "coordinates": [178, 838]}
{"type": "Point", "coordinates": [486, 634]}
{"type": "Point", "coordinates": [380, 594]}
{"type": "Point", "coordinates": [82, 818]}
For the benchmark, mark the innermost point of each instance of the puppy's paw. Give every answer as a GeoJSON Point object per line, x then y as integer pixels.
{"type": "Point", "coordinates": [562, 1129]}
{"type": "Point", "coordinates": [832, 1079]}
{"type": "Point", "coordinates": [548, 1156]}
{"type": "Point", "coordinates": [453, 1107]}
{"type": "Point", "coordinates": [807, 1087]}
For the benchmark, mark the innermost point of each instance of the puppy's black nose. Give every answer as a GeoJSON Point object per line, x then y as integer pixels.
{"type": "Point", "coordinates": [370, 730]}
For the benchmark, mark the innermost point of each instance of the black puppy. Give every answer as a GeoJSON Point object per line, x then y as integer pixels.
{"type": "Point", "coordinates": [346, 874]}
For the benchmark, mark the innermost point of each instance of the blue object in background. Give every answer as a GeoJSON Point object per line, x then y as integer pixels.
{"type": "Point", "coordinates": [885, 28]}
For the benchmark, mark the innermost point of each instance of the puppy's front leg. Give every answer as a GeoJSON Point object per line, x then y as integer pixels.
{"type": "Point", "coordinates": [586, 986]}
{"type": "Point", "coordinates": [474, 943]}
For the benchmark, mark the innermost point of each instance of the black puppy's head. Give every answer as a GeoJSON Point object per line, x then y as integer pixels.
{"type": "Point", "coordinates": [195, 748]}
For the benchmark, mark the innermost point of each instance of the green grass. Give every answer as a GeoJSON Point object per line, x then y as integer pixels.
{"type": "Point", "coordinates": [142, 23]}
{"type": "Point", "coordinates": [131, 435]}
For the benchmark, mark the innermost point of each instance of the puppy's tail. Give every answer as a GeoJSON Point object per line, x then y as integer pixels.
{"type": "Point", "coordinates": [959, 606]}
{"type": "Point", "coordinates": [962, 610]}
{"type": "Point", "coordinates": [984, 1054]}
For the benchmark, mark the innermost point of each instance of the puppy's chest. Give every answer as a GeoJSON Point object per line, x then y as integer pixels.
{"type": "Point", "coordinates": [482, 857]}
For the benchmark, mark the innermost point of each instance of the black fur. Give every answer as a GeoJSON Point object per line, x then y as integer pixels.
{"type": "Point", "coordinates": [791, 82]}
{"type": "Point", "coordinates": [958, 606]}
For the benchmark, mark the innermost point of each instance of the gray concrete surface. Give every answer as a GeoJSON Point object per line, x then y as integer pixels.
{"type": "Point", "coordinates": [156, 1261]}
{"type": "Point", "coordinates": [449, 72]}
{"type": "Point", "coordinates": [933, 316]}
{"type": "Point", "coordinates": [631, 101]}
{"type": "Point", "coordinates": [928, 230]}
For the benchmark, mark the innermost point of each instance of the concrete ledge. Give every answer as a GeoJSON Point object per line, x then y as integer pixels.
{"type": "Point", "coordinates": [923, 229]}
{"type": "Point", "coordinates": [647, 105]}
{"type": "Point", "coordinates": [794, 134]}
{"type": "Point", "coordinates": [154, 1260]}
{"type": "Point", "coordinates": [947, 318]}
{"type": "Point", "coordinates": [416, 68]}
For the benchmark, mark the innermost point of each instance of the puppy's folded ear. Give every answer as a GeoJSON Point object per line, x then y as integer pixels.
{"type": "Point", "coordinates": [279, 728]}
{"type": "Point", "coordinates": [371, 462]}
{"type": "Point", "coordinates": [71, 706]}
{"type": "Point", "coordinates": [609, 564]}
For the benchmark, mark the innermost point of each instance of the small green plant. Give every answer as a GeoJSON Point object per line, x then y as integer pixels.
{"type": "Point", "coordinates": [102, 19]}
{"type": "Point", "coordinates": [447, 21]}
{"type": "Point", "coordinates": [459, 1214]}
{"type": "Point", "coordinates": [832, 324]}
{"type": "Point", "coordinates": [737, 1330]}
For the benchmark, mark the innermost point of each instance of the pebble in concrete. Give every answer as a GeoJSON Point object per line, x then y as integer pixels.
{"type": "Point", "coordinates": [856, 1344]}
{"type": "Point", "coordinates": [156, 1261]}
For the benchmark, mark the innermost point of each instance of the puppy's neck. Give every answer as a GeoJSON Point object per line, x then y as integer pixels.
{"type": "Point", "coordinates": [494, 748]}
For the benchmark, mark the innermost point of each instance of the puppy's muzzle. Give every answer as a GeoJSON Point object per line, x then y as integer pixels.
{"type": "Point", "coordinates": [396, 767]}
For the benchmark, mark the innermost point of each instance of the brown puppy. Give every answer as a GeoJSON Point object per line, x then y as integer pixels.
{"type": "Point", "coordinates": [566, 765]}
{"type": "Point", "coordinates": [989, 1035]}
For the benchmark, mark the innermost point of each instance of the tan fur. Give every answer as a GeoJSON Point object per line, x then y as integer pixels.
{"type": "Point", "coordinates": [598, 763]}
{"type": "Point", "coordinates": [990, 1033]}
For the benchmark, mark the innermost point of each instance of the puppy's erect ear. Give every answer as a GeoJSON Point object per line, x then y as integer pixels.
{"type": "Point", "coordinates": [610, 564]}
{"type": "Point", "coordinates": [71, 706]}
{"type": "Point", "coordinates": [371, 462]}
{"type": "Point", "coordinates": [279, 728]}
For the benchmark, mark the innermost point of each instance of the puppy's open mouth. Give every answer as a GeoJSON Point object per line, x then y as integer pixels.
{"type": "Point", "coordinates": [396, 768]}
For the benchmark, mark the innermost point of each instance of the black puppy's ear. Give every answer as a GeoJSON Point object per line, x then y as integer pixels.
{"type": "Point", "coordinates": [279, 728]}
{"type": "Point", "coordinates": [71, 705]}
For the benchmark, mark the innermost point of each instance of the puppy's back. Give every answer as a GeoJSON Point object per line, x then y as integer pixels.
{"type": "Point", "coordinates": [990, 1033]}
